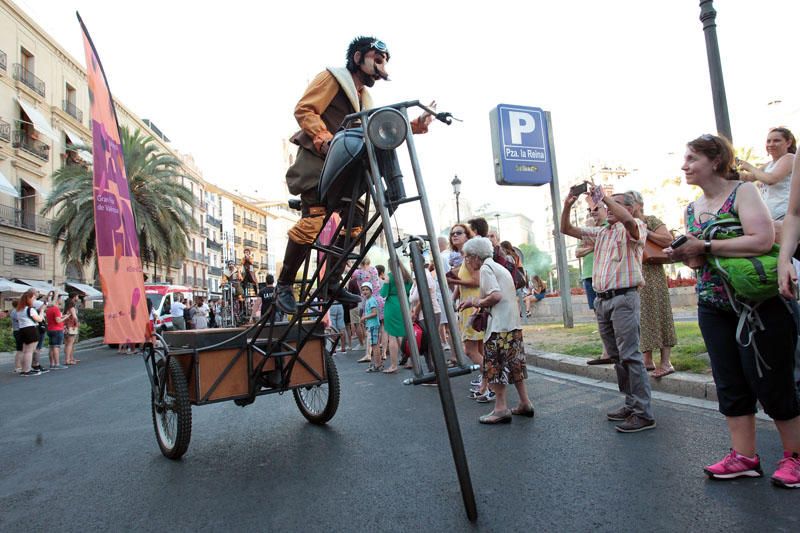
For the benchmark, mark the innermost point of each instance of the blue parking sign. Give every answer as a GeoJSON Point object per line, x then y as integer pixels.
{"type": "Point", "coordinates": [521, 145]}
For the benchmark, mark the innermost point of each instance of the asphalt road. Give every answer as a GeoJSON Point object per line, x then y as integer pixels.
{"type": "Point", "coordinates": [78, 453]}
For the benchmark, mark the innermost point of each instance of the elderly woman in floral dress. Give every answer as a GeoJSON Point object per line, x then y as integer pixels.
{"type": "Point", "coordinates": [504, 357]}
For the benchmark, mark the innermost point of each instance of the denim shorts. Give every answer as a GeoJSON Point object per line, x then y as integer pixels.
{"type": "Point", "coordinates": [56, 337]}
{"type": "Point", "coordinates": [336, 314]}
{"type": "Point", "coordinates": [373, 335]}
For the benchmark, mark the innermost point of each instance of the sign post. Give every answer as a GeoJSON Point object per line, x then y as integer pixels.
{"type": "Point", "coordinates": [522, 144]}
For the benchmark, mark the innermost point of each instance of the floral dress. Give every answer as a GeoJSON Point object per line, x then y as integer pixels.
{"type": "Point", "coordinates": [657, 325]}
{"type": "Point", "coordinates": [710, 289]}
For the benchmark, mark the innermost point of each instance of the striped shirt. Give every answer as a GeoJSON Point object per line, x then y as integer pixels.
{"type": "Point", "coordinates": [617, 256]}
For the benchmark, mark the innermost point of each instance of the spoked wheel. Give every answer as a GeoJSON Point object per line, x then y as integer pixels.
{"type": "Point", "coordinates": [318, 403]}
{"type": "Point", "coordinates": [172, 412]}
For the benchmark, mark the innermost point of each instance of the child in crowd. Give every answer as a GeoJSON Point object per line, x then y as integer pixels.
{"type": "Point", "coordinates": [372, 325]}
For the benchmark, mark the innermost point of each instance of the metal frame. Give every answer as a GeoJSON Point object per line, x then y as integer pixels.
{"type": "Point", "coordinates": [314, 302]}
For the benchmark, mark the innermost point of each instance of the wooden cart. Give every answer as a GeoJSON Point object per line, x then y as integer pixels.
{"type": "Point", "coordinates": [189, 368]}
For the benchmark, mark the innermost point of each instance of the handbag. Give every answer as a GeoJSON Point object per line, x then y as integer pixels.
{"type": "Point", "coordinates": [72, 331]}
{"type": "Point", "coordinates": [654, 254]}
{"type": "Point", "coordinates": [479, 320]}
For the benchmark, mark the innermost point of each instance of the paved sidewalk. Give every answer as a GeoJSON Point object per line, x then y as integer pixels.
{"type": "Point", "coordinates": [700, 386]}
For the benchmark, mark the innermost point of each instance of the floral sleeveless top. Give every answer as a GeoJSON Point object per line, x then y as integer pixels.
{"type": "Point", "coordinates": [710, 290]}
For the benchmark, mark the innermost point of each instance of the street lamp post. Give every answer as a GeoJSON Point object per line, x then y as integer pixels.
{"type": "Point", "coordinates": [708, 17]}
{"type": "Point", "coordinates": [497, 219]}
{"type": "Point", "coordinates": [456, 183]}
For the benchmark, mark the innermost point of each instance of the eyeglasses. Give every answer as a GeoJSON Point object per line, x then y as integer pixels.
{"type": "Point", "coordinates": [454, 233]}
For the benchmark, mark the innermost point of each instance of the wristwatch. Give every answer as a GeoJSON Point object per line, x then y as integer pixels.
{"type": "Point", "coordinates": [707, 247]}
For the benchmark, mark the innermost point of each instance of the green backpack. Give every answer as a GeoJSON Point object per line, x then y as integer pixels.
{"type": "Point", "coordinates": [751, 279]}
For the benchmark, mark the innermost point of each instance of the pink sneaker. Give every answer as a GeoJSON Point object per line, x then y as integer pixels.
{"type": "Point", "coordinates": [788, 473]}
{"type": "Point", "coordinates": [733, 466]}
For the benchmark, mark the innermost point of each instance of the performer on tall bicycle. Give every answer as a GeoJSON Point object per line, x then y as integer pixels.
{"type": "Point", "coordinates": [330, 97]}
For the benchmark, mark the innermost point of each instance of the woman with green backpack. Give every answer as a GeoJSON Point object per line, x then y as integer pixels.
{"type": "Point", "coordinates": [749, 330]}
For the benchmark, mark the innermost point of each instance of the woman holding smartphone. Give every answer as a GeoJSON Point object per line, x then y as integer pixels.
{"type": "Point", "coordinates": [743, 376]}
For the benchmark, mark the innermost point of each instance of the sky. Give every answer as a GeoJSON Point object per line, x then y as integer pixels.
{"type": "Point", "coordinates": [626, 81]}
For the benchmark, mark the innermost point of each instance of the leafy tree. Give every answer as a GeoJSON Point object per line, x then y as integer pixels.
{"type": "Point", "coordinates": [162, 205]}
{"type": "Point", "coordinates": [536, 262]}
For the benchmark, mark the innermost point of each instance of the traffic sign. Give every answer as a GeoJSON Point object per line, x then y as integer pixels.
{"type": "Point", "coordinates": [521, 145]}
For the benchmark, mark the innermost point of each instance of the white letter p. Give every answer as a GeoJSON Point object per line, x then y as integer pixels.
{"type": "Point", "coordinates": [520, 123]}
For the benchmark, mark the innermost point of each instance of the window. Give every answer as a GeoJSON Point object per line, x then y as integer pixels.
{"type": "Point", "coordinates": [27, 260]}
{"type": "Point", "coordinates": [27, 60]}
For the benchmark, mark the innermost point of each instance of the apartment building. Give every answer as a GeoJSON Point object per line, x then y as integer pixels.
{"type": "Point", "coordinates": [44, 108]}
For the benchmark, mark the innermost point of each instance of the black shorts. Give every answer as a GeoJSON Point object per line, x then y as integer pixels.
{"type": "Point", "coordinates": [739, 386]}
{"type": "Point", "coordinates": [29, 334]}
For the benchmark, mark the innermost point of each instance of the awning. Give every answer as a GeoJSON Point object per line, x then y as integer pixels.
{"type": "Point", "coordinates": [41, 286]}
{"type": "Point", "coordinates": [6, 187]}
{"type": "Point", "coordinates": [39, 122]}
{"type": "Point", "coordinates": [38, 188]}
{"type": "Point", "coordinates": [10, 286]}
{"type": "Point", "coordinates": [88, 291]}
{"type": "Point", "coordinates": [75, 139]}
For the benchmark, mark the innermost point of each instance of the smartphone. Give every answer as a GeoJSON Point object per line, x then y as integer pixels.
{"type": "Point", "coordinates": [577, 190]}
{"type": "Point", "coordinates": [678, 242]}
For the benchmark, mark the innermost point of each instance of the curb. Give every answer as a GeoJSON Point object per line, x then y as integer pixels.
{"type": "Point", "coordinates": [680, 383]}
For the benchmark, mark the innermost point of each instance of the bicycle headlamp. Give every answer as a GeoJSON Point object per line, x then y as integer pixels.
{"type": "Point", "coordinates": [387, 128]}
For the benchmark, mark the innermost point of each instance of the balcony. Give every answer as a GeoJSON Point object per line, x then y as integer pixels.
{"type": "Point", "coordinates": [30, 145]}
{"type": "Point", "coordinates": [250, 223]}
{"type": "Point", "coordinates": [11, 216]}
{"type": "Point", "coordinates": [27, 77]}
{"type": "Point", "coordinates": [263, 247]}
{"type": "Point", "coordinates": [205, 232]}
{"type": "Point", "coordinates": [213, 245]}
{"type": "Point", "coordinates": [237, 240]}
{"type": "Point", "coordinates": [250, 244]}
{"type": "Point", "coordinates": [264, 266]}
{"type": "Point", "coordinates": [3, 59]}
{"type": "Point", "coordinates": [214, 221]}
{"type": "Point", "coordinates": [5, 130]}
{"type": "Point", "coordinates": [196, 256]}
{"type": "Point", "coordinates": [262, 227]}
{"type": "Point", "coordinates": [72, 110]}
{"type": "Point", "coordinates": [214, 271]}
{"type": "Point", "coordinates": [237, 218]}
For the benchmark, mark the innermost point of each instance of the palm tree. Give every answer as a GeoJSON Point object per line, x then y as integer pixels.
{"type": "Point", "coordinates": [162, 205]}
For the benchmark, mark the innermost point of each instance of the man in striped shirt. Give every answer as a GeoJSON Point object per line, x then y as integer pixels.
{"type": "Point", "coordinates": [616, 276]}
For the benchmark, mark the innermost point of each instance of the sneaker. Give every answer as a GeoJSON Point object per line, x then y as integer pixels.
{"type": "Point", "coordinates": [58, 367]}
{"type": "Point", "coordinates": [620, 415]}
{"type": "Point", "coordinates": [635, 423]}
{"type": "Point", "coordinates": [486, 398]}
{"type": "Point", "coordinates": [474, 394]}
{"type": "Point", "coordinates": [477, 382]}
{"type": "Point", "coordinates": [40, 369]}
{"type": "Point", "coordinates": [17, 371]}
{"type": "Point", "coordinates": [734, 465]}
{"type": "Point", "coordinates": [30, 373]}
{"type": "Point", "coordinates": [788, 473]}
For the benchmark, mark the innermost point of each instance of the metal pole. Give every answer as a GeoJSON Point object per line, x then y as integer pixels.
{"type": "Point", "coordinates": [455, 333]}
{"type": "Point", "coordinates": [558, 237]}
{"type": "Point", "coordinates": [458, 211]}
{"type": "Point", "coordinates": [708, 17]}
{"type": "Point", "coordinates": [445, 391]}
